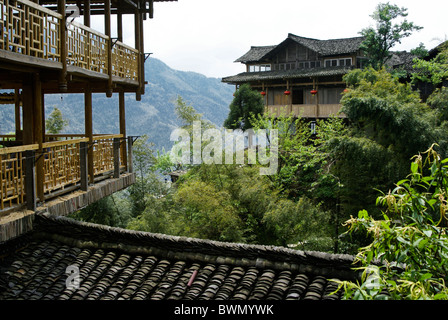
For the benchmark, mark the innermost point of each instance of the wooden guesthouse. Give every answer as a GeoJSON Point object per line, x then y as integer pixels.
{"type": "Point", "coordinates": [44, 50]}
{"type": "Point", "coordinates": [300, 75]}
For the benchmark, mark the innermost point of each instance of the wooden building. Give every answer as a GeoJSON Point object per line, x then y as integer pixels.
{"type": "Point", "coordinates": [44, 50]}
{"type": "Point", "coordinates": [300, 75]}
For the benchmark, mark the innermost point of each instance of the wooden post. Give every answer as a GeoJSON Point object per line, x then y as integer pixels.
{"type": "Point", "coordinates": [142, 57]}
{"type": "Point", "coordinates": [27, 108]}
{"type": "Point", "coordinates": [130, 166]}
{"type": "Point", "coordinates": [63, 46]}
{"type": "Point", "coordinates": [89, 129]}
{"type": "Point", "coordinates": [107, 30]}
{"type": "Point", "coordinates": [18, 115]}
{"type": "Point", "coordinates": [30, 190]}
{"type": "Point", "coordinates": [122, 115]}
{"type": "Point", "coordinates": [83, 147]}
{"type": "Point", "coordinates": [137, 18]}
{"type": "Point", "coordinates": [38, 134]}
{"type": "Point", "coordinates": [86, 13]}
{"type": "Point", "coordinates": [120, 25]}
{"type": "Point", "coordinates": [116, 147]}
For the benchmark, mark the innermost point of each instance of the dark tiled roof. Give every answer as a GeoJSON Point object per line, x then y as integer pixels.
{"type": "Point", "coordinates": [122, 264]}
{"type": "Point", "coordinates": [255, 54]}
{"type": "Point", "coordinates": [402, 59]}
{"type": "Point", "coordinates": [288, 74]}
{"type": "Point", "coordinates": [331, 47]}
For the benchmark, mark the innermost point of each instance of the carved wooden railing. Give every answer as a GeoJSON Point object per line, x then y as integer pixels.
{"type": "Point", "coordinates": [29, 29]}
{"type": "Point", "coordinates": [124, 61]}
{"type": "Point", "coordinates": [87, 48]}
{"type": "Point", "coordinates": [57, 167]}
{"type": "Point", "coordinates": [32, 30]}
{"type": "Point", "coordinates": [61, 164]}
{"type": "Point", "coordinates": [305, 110]}
{"type": "Point", "coordinates": [12, 173]}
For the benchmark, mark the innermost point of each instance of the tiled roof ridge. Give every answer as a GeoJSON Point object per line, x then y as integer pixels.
{"type": "Point", "coordinates": [89, 235]}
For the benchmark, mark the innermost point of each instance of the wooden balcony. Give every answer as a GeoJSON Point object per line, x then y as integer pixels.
{"type": "Point", "coordinates": [305, 110]}
{"type": "Point", "coordinates": [34, 36]}
{"type": "Point", "coordinates": [31, 174]}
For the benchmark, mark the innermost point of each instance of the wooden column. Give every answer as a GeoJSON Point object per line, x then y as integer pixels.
{"type": "Point", "coordinates": [120, 25]}
{"type": "Point", "coordinates": [137, 20]}
{"type": "Point", "coordinates": [30, 190]}
{"type": "Point", "coordinates": [27, 109]}
{"type": "Point", "coordinates": [18, 123]}
{"type": "Point", "coordinates": [107, 31]}
{"type": "Point", "coordinates": [86, 13]}
{"type": "Point", "coordinates": [89, 130]}
{"type": "Point", "coordinates": [142, 56]}
{"type": "Point", "coordinates": [122, 115]}
{"type": "Point", "coordinates": [63, 46]}
{"type": "Point", "coordinates": [83, 148]}
{"type": "Point", "coordinates": [38, 135]}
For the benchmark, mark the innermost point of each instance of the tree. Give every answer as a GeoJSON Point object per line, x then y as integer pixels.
{"type": "Point", "coordinates": [246, 103]}
{"type": "Point", "coordinates": [386, 34]}
{"type": "Point", "coordinates": [55, 122]}
{"type": "Point", "coordinates": [407, 257]}
{"type": "Point", "coordinates": [434, 71]}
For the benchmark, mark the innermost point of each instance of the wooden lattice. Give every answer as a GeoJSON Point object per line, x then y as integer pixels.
{"type": "Point", "coordinates": [12, 186]}
{"type": "Point", "coordinates": [61, 165]}
{"type": "Point", "coordinates": [29, 29]}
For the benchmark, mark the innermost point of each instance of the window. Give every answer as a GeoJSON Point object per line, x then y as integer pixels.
{"type": "Point", "coordinates": [260, 68]}
{"type": "Point", "coordinates": [338, 62]}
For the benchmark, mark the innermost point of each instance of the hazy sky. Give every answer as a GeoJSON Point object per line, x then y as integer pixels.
{"type": "Point", "coordinates": [206, 36]}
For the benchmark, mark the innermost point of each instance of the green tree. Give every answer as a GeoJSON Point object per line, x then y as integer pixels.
{"type": "Point", "coordinates": [246, 103]}
{"type": "Point", "coordinates": [386, 34]}
{"type": "Point", "coordinates": [407, 258]}
{"type": "Point", "coordinates": [434, 71]}
{"type": "Point", "coordinates": [55, 122]}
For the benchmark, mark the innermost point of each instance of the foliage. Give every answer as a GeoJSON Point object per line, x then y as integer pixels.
{"type": "Point", "coordinates": [408, 256]}
{"type": "Point", "coordinates": [434, 71]}
{"type": "Point", "coordinates": [245, 104]}
{"type": "Point", "coordinates": [379, 40]}
{"type": "Point", "coordinates": [55, 122]}
{"type": "Point", "coordinates": [389, 112]}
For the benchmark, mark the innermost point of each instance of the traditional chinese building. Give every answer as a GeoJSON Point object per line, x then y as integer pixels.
{"type": "Point", "coordinates": [45, 50]}
{"type": "Point", "coordinates": [300, 75]}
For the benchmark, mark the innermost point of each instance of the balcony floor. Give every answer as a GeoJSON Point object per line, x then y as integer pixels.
{"type": "Point", "coordinates": [18, 222]}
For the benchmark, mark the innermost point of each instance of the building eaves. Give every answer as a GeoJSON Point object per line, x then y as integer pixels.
{"type": "Point", "coordinates": [330, 47]}
{"type": "Point", "coordinates": [115, 263]}
{"type": "Point", "coordinates": [246, 77]}
{"type": "Point", "coordinates": [255, 54]}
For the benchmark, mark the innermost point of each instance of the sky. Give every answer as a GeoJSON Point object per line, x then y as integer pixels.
{"type": "Point", "coordinates": [207, 36]}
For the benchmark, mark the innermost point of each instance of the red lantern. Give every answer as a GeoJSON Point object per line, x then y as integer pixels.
{"type": "Point", "coordinates": [263, 93]}
{"type": "Point", "coordinates": [287, 93]}
{"type": "Point", "coordinates": [314, 92]}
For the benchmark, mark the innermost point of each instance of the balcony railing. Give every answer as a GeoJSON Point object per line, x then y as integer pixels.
{"type": "Point", "coordinates": [32, 30]}
{"type": "Point", "coordinates": [305, 110]}
{"type": "Point", "coordinates": [29, 173]}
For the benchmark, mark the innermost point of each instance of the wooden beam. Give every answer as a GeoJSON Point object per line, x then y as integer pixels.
{"type": "Point", "coordinates": [86, 13]}
{"type": "Point", "coordinates": [107, 30]}
{"type": "Point", "coordinates": [17, 107]}
{"type": "Point", "coordinates": [89, 130]}
{"type": "Point", "coordinates": [38, 134]}
{"type": "Point", "coordinates": [122, 116]}
{"type": "Point", "coordinates": [63, 45]}
{"type": "Point", "coordinates": [137, 29]}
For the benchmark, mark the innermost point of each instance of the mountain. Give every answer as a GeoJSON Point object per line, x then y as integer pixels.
{"type": "Point", "coordinates": [153, 115]}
